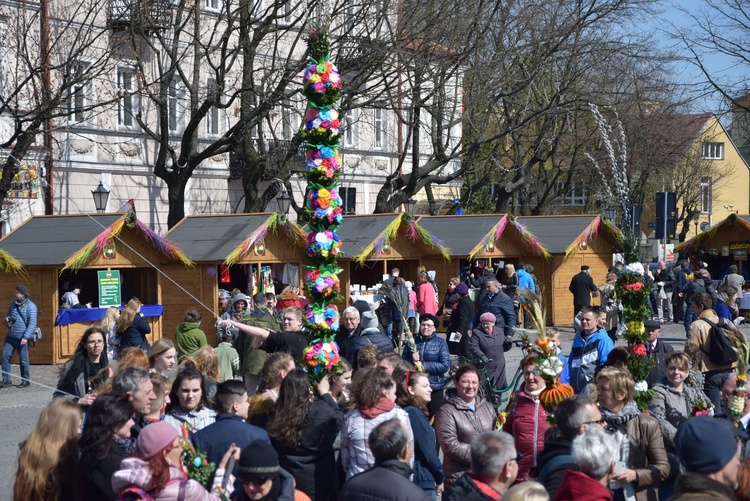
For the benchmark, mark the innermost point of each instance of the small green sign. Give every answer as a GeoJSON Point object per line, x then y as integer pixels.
{"type": "Point", "coordinates": [109, 288]}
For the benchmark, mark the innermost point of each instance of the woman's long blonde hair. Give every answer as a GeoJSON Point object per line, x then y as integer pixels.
{"type": "Point", "coordinates": [205, 361]}
{"type": "Point", "coordinates": [50, 453]}
{"type": "Point", "coordinates": [110, 319]}
{"type": "Point", "coordinates": [128, 314]}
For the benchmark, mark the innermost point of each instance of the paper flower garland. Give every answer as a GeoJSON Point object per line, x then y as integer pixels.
{"type": "Point", "coordinates": [320, 359]}
{"type": "Point", "coordinates": [323, 207]}
{"type": "Point", "coordinates": [634, 294]}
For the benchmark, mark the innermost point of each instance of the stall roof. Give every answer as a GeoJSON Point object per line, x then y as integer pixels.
{"type": "Point", "coordinates": [50, 240]}
{"type": "Point", "coordinates": [211, 238]}
{"type": "Point", "coordinates": [743, 221]}
{"type": "Point", "coordinates": [557, 232]}
{"type": "Point", "coordinates": [460, 233]}
{"type": "Point", "coordinates": [357, 232]}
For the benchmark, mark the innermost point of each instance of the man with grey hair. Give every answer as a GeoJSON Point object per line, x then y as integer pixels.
{"type": "Point", "coordinates": [494, 467]}
{"type": "Point", "coordinates": [573, 416]}
{"type": "Point", "coordinates": [388, 480]}
{"type": "Point", "coordinates": [349, 329]}
{"type": "Point", "coordinates": [595, 453]}
{"type": "Point", "coordinates": [136, 383]}
{"type": "Point", "coordinates": [499, 304]}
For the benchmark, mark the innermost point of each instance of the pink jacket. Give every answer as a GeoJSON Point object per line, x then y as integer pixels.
{"type": "Point", "coordinates": [426, 302]}
{"type": "Point", "coordinates": [136, 472]}
{"type": "Point", "coordinates": [527, 422]}
{"type": "Point", "coordinates": [412, 300]}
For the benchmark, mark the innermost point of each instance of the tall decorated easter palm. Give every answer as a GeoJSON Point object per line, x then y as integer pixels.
{"type": "Point", "coordinates": [321, 133]}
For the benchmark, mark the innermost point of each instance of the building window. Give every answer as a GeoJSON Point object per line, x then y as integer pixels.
{"type": "Point", "coordinates": [713, 151]}
{"type": "Point", "coordinates": [379, 128]}
{"type": "Point", "coordinates": [351, 135]}
{"type": "Point", "coordinates": [213, 127]}
{"type": "Point", "coordinates": [706, 195]}
{"type": "Point", "coordinates": [174, 108]}
{"type": "Point", "coordinates": [126, 106]}
{"type": "Point", "coordinates": [80, 94]}
{"type": "Point", "coordinates": [575, 196]}
{"type": "Point", "coordinates": [213, 5]}
{"type": "Point", "coordinates": [290, 120]}
{"type": "Point", "coordinates": [348, 200]}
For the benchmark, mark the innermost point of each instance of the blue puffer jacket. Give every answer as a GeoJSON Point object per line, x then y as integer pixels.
{"type": "Point", "coordinates": [23, 315]}
{"type": "Point", "coordinates": [434, 357]}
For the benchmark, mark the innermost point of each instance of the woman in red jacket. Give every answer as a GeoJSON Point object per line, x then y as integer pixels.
{"type": "Point", "coordinates": [527, 419]}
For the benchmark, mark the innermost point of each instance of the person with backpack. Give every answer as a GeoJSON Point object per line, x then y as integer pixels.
{"type": "Point", "coordinates": [718, 358]}
{"type": "Point", "coordinates": [157, 473]}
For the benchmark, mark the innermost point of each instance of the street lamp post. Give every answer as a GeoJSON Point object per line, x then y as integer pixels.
{"type": "Point", "coordinates": [284, 201]}
{"type": "Point", "coordinates": [610, 213]}
{"type": "Point", "coordinates": [101, 195]}
{"type": "Point", "coordinates": [410, 205]}
{"type": "Point", "coordinates": [696, 218]}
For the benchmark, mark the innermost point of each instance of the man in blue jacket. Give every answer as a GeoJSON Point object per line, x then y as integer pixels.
{"type": "Point", "coordinates": [499, 304]}
{"type": "Point", "coordinates": [230, 426]}
{"type": "Point", "coordinates": [21, 322]}
{"type": "Point", "coordinates": [525, 282]}
{"type": "Point", "coordinates": [590, 349]}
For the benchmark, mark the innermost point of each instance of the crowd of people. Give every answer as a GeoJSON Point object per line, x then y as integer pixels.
{"type": "Point", "coordinates": [129, 417]}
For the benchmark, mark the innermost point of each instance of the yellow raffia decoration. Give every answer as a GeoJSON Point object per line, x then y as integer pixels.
{"type": "Point", "coordinates": [9, 264]}
{"type": "Point", "coordinates": [272, 224]}
{"type": "Point", "coordinates": [731, 220]}
{"type": "Point", "coordinates": [592, 230]}
{"type": "Point", "coordinates": [387, 235]}
{"type": "Point", "coordinates": [81, 258]}
{"type": "Point", "coordinates": [495, 233]}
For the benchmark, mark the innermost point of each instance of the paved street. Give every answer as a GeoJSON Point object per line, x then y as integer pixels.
{"type": "Point", "coordinates": [20, 408]}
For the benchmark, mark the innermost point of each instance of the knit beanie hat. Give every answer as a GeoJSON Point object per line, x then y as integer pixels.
{"type": "Point", "coordinates": [704, 445]}
{"type": "Point", "coordinates": [369, 320]}
{"type": "Point", "coordinates": [153, 438]}
{"type": "Point", "coordinates": [22, 289]}
{"type": "Point", "coordinates": [462, 289]}
{"type": "Point", "coordinates": [258, 460]}
{"type": "Point", "coordinates": [487, 317]}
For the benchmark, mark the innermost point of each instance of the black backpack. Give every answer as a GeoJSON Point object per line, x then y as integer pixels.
{"type": "Point", "coordinates": [720, 351]}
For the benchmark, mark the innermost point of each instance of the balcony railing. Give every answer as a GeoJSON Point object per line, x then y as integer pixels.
{"type": "Point", "coordinates": [146, 16]}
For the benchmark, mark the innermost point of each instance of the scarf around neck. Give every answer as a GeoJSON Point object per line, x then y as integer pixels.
{"type": "Point", "coordinates": [619, 420]}
{"type": "Point", "coordinates": [382, 406]}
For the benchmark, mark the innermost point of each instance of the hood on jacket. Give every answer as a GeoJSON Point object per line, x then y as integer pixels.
{"type": "Point", "coordinates": [579, 486]}
{"type": "Point", "coordinates": [431, 275]}
{"type": "Point", "coordinates": [186, 326]}
{"type": "Point", "coordinates": [134, 471]}
{"type": "Point", "coordinates": [241, 297]}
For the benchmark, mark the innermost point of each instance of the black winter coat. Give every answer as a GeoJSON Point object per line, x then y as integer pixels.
{"type": "Point", "coordinates": [313, 463]}
{"type": "Point", "coordinates": [387, 481]}
{"type": "Point", "coordinates": [493, 346]}
{"type": "Point", "coordinates": [461, 318]}
{"type": "Point", "coordinates": [94, 478]}
{"type": "Point", "coordinates": [554, 445]}
{"type": "Point", "coordinates": [135, 335]}
{"type": "Point", "coordinates": [582, 285]}
{"type": "Point", "coordinates": [464, 489]}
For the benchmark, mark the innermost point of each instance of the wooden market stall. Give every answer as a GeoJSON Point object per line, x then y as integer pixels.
{"type": "Point", "coordinates": [373, 244]}
{"type": "Point", "coordinates": [479, 241]}
{"type": "Point", "coordinates": [724, 244]}
{"type": "Point", "coordinates": [252, 252]}
{"type": "Point", "coordinates": [59, 251]}
{"type": "Point", "coordinates": [572, 241]}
